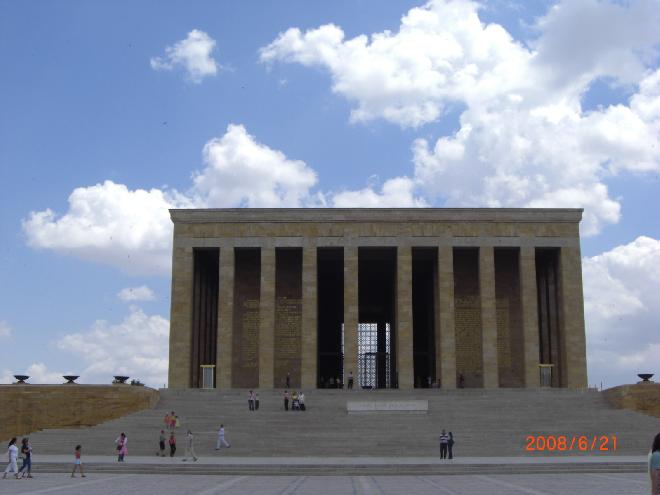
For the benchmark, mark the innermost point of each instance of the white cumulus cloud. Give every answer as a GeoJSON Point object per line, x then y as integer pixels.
{"type": "Point", "coordinates": [239, 171]}
{"type": "Point", "coordinates": [136, 347]}
{"type": "Point", "coordinates": [132, 230]}
{"type": "Point", "coordinates": [622, 308]}
{"type": "Point", "coordinates": [396, 193]}
{"type": "Point", "coordinates": [524, 139]}
{"type": "Point", "coordinates": [193, 54]}
{"type": "Point", "coordinates": [142, 293]}
{"type": "Point", "coordinates": [112, 224]}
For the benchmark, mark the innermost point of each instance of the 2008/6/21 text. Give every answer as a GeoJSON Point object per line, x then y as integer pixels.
{"type": "Point", "coordinates": [564, 443]}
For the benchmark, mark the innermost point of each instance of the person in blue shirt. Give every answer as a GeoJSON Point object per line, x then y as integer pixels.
{"type": "Point", "coordinates": [654, 466]}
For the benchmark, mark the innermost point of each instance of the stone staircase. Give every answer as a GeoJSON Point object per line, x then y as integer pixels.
{"type": "Point", "coordinates": [484, 423]}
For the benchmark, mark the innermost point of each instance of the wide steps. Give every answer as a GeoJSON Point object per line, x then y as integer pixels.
{"type": "Point", "coordinates": [485, 423]}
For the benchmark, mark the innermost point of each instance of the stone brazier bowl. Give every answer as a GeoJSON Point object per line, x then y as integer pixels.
{"type": "Point", "coordinates": [646, 377]}
{"type": "Point", "coordinates": [70, 378]}
{"type": "Point", "coordinates": [121, 379]}
{"type": "Point", "coordinates": [21, 379]}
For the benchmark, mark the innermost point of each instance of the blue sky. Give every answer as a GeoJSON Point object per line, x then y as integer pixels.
{"type": "Point", "coordinates": [111, 112]}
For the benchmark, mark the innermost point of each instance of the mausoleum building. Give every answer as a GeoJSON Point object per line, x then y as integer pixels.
{"type": "Point", "coordinates": [399, 297]}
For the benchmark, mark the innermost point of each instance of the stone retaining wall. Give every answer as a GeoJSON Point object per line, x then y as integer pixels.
{"type": "Point", "coordinates": [29, 408]}
{"type": "Point", "coordinates": [641, 397]}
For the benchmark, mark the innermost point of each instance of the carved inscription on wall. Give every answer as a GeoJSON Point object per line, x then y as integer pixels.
{"type": "Point", "coordinates": [288, 317]}
{"type": "Point", "coordinates": [245, 346]}
{"type": "Point", "coordinates": [503, 336]}
{"type": "Point", "coordinates": [468, 336]}
{"type": "Point", "coordinates": [467, 317]}
{"type": "Point", "coordinates": [509, 324]}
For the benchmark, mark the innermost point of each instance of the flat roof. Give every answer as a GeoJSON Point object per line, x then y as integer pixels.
{"type": "Point", "coordinates": [379, 215]}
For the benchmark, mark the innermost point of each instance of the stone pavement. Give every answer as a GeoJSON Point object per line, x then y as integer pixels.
{"type": "Point", "coordinates": [223, 459]}
{"type": "Point", "coordinates": [123, 484]}
{"type": "Point", "coordinates": [224, 465]}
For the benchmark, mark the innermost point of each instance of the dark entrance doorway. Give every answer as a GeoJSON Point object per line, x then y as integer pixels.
{"type": "Point", "coordinates": [330, 273]}
{"type": "Point", "coordinates": [376, 300]}
{"type": "Point", "coordinates": [424, 277]}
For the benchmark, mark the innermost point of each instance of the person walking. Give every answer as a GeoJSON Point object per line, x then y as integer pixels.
{"type": "Point", "coordinates": [450, 445]}
{"type": "Point", "coordinates": [444, 442]}
{"type": "Point", "coordinates": [166, 420]}
{"type": "Point", "coordinates": [12, 454]}
{"type": "Point", "coordinates": [172, 444]}
{"type": "Point", "coordinates": [77, 463]}
{"type": "Point", "coordinates": [190, 448]}
{"type": "Point", "coordinates": [221, 442]}
{"type": "Point", "coordinates": [122, 446]}
{"type": "Point", "coordinates": [26, 452]}
{"type": "Point", "coordinates": [251, 401]}
{"type": "Point", "coordinates": [654, 465]}
{"type": "Point", "coordinates": [172, 421]}
{"type": "Point", "coordinates": [350, 380]}
{"type": "Point", "coordinates": [286, 400]}
{"type": "Point", "coordinates": [301, 401]}
{"type": "Point", "coordinates": [161, 444]}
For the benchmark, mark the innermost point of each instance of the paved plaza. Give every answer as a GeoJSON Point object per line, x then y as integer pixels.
{"type": "Point", "coordinates": [584, 484]}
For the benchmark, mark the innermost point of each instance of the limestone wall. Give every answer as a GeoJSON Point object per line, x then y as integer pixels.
{"type": "Point", "coordinates": [29, 408]}
{"type": "Point", "coordinates": [642, 397]}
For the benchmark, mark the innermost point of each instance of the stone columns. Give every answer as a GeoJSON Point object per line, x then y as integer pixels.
{"type": "Point", "coordinates": [309, 315]}
{"type": "Point", "coordinates": [181, 319]}
{"type": "Point", "coordinates": [267, 318]}
{"type": "Point", "coordinates": [530, 317]}
{"type": "Point", "coordinates": [446, 351]}
{"type": "Point", "coordinates": [572, 311]}
{"type": "Point", "coordinates": [225, 318]}
{"type": "Point", "coordinates": [404, 318]}
{"type": "Point", "coordinates": [488, 316]}
{"type": "Point", "coordinates": [351, 312]}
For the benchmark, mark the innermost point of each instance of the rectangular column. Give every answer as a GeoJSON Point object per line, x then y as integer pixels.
{"type": "Point", "coordinates": [488, 316]}
{"type": "Point", "coordinates": [572, 314]}
{"type": "Point", "coordinates": [267, 318]}
{"type": "Point", "coordinates": [225, 314]}
{"type": "Point", "coordinates": [351, 312]}
{"type": "Point", "coordinates": [179, 375]}
{"type": "Point", "coordinates": [446, 352]}
{"type": "Point", "coordinates": [404, 318]}
{"type": "Point", "coordinates": [530, 316]}
{"type": "Point", "coordinates": [309, 318]}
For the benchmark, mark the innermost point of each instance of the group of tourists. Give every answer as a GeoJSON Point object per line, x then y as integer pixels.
{"type": "Point", "coordinates": [297, 401]}
{"type": "Point", "coordinates": [446, 445]}
{"type": "Point", "coordinates": [253, 401]}
{"type": "Point", "coordinates": [13, 453]}
{"type": "Point", "coordinates": [171, 421]}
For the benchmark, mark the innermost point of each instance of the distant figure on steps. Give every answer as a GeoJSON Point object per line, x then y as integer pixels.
{"type": "Point", "coordinates": [190, 448]}
{"type": "Point", "coordinates": [221, 442]}
{"type": "Point", "coordinates": [122, 446]}
{"type": "Point", "coordinates": [450, 445]}
{"type": "Point", "coordinates": [444, 443]}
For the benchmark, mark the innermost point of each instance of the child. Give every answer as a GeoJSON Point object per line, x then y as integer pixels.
{"type": "Point", "coordinates": [77, 463]}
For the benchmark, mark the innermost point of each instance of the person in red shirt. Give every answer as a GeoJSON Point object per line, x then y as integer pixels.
{"type": "Point", "coordinates": [172, 443]}
{"type": "Point", "coordinates": [77, 463]}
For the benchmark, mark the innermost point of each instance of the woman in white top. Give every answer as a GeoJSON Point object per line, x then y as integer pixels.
{"type": "Point", "coordinates": [12, 453]}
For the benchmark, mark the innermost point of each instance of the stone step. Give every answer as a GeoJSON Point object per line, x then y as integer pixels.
{"type": "Point", "coordinates": [486, 422]}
